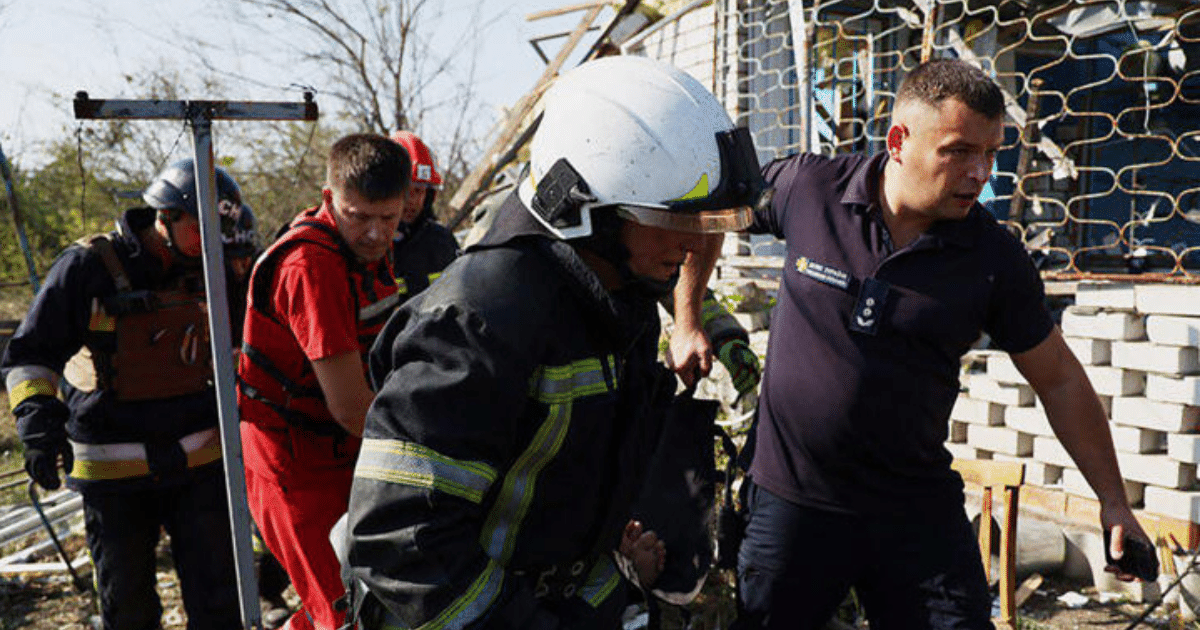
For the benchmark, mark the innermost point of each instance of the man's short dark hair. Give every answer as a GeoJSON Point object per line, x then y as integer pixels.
{"type": "Point", "coordinates": [937, 80]}
{"type": "Point", "coordinates": [371, 165]}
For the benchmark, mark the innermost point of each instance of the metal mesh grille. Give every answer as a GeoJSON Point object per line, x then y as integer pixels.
{"type": "Point", "coordinates": [1099, 170]}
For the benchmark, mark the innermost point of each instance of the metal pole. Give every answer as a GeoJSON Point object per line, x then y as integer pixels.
{"type": "Point", "coordinates": [222, 362]}
{"type": "Point", "coordinates": [199, 115]}
{"type": "Point", "coordinates": [801, 42]}
{"type": "Point", "coordinates": [18, 222]}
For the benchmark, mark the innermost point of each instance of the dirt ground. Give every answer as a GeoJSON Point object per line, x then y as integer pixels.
{"type": "Point", "coordinates": [51, 603]}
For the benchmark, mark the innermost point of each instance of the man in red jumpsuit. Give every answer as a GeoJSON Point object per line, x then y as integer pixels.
{"type": "Point", "coordinates": [317, 299]}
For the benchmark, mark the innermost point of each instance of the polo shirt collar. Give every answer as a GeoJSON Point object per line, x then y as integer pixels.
{"type": "Point", "coordinates": [861, 194]}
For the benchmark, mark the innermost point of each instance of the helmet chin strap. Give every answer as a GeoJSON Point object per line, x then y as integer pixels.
{"type": "Point", "coordinates": [605, 242]}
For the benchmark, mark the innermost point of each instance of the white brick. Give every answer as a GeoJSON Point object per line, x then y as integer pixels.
{"type": "Point", "coordinates": [1111, 381]}
{"type": "Point", "coordinates": [1090, 351]}
{"type": "Point", "coordinates": [1183, 447]}
{"type": "Point", "coordinates": [961, 451]}
{"type": "Point", "coordinates": [1074, 483]}
{"type": "Point", "coordinates": [986, 388]}
{"type": "Point", "coordinates": [1157, 470]}
{"type": "Point", "coordinates": [1173, 331]}
{"type": "Point", "coordinates": [1083, 321]}
{"type": "Point", "coordinates": [1137, 411]}
{"type": "Point", "coordinates": [975, 411]}
{"type": "Point", "coordinates": [1151, 357]}
{"type": "Point", "coordinates": [1181, 504]}
{"type": "Point", "coordinates": [1031, 420]}
{"type": "Point", "coordinates": [1000, 440]}
{"type": "Point", "coordinates": [752, 322]}
{"type": "Point", "coordinates": [1042, 474]}
{"type": "Point", "coordinates": [1119, 296]}
{"type": "Point", "coordinates": [1138, 440]}
{"type": "Point", "coordinates": [957, 432]}
{"type": "Point", "coordinates": [1001, 368]}
{"type": "Point", "coordinates": [1049, 450]}
{"type": "Point", "coordinates": [1168, 299]}
{"type": "Point", "coordinates": [1185, 390]}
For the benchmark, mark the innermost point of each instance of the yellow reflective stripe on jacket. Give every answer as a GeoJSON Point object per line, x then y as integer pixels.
{"type": "Point", "coordinates": [434, 276]}
{"type": "Point", "coordinates": [102, 462]}
{"type": "Point", "coordinates": [26, 381]}
{"type": "Point", "coordinates": [602, 580]}
{"type": "Point", "coordinates": [409, 464]}
{"type": "Point", "coordinates": [401, 286]}
{"type": "Point", "coordinates": [558, 386]}
{"type": "Point", "coordinates": [464, 610]}
{"type": "Point", "coordinates": [564, 383]}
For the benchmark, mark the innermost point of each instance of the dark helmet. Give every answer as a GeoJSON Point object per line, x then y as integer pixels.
{"type": "Point", "coordinates": [175, 188]}
{"type": "Point", "coordinates": [239, 229]}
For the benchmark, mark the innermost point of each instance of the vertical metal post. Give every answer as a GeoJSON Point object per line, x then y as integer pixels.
{"type": "Point", "coordinates": [222, 362]}
{"type": "Point", "coordinates": [199, 115]}
{"type": "Point", "coordinates": [801, 44]}
{"type": "Point", "coordinates": [18, 221]}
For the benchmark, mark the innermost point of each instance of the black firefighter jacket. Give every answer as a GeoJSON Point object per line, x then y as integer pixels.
{"type": "Point", "coordinates": [518, 404]}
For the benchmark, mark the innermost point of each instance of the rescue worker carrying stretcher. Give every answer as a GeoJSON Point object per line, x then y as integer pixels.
{"type": "Point", "coordinates": [422, 247]}
{"type": "Point", "coordinates": [318, 296]}
{"type": "Point", "coordinates": [120, 331]}
{"type": "Point", "coordinates": [520, 396]}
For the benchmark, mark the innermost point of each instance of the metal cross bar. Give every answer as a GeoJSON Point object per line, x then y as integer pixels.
{"type": "Point", "coordinates": [199, 115]}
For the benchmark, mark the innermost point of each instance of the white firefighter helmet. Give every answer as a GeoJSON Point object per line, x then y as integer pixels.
{"type": "Point", "coordinates": [644, 139]}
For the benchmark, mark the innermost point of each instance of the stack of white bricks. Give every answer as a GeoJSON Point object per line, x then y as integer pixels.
{"type": "Point", "coordinates": [1138, 345]}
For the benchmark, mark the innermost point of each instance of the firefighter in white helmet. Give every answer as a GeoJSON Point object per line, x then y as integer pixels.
{"type": "Point", "coordinates": [520, 397]}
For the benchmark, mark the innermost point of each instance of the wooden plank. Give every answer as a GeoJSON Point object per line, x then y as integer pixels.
{"type": "Point", "coordinates": [751, 262]}
{"type": "Point", "coordinates": [573, 8]}
{"type": "Point", "coordinates": [45, 567]}
{"type": "Point", "coordinates": [487, 168]}
{"type": "Point", "coordinates": [990, 473]}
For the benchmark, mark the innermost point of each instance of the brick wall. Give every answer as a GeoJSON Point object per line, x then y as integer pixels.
{"type": "Point", "coordinates": [1138, 344]}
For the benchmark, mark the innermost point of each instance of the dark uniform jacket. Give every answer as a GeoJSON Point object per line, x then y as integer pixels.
{"type": "Point", "coordinates": [518, 402]}
{"type": "Point", "coordinates": [420, 255]}
{"type": "Point", "coordinates": [64, 319]}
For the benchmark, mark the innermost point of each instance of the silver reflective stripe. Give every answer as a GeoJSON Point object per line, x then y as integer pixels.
{"type": "Point", "coordinates": [23, 373]}
{"type": "Point", "coordinates": [564, 383]}
{"type": "Point", "coordinates": [371, 311]}
{"type": "Point", "coordinates": [410, 464]}
{"type": "Point", "coordinates": [123, 451]}
{"type": "Point", "coordinates": [464, 610]}
{"type": "Point", "coordinates": [602, 580]}
{"type": "Point", "coordinates": [558, 387]}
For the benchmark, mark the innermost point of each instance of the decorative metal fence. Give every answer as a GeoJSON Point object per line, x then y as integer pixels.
{"type": "Point", "coordinates": [1099, 173]}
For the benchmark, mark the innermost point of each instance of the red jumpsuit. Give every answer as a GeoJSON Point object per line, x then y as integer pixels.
{"type": "Point", "coordinates": [309, 299]}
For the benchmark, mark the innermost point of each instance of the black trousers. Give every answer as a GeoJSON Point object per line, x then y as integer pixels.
{"type": "Point", "coordinates": [123, 531]}
{"type": "Point", "coordinates": [919, 569]}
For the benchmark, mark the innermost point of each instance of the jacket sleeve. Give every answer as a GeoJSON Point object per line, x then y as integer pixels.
{"type": "Point", "coordinates": [432, 452]}
{"type": "Point", "coordinates": [719, 325]}
{"type": "Point", "coordinates": [52, 331]}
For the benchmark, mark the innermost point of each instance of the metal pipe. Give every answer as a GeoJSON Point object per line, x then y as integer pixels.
{"type": "Point", "coordinates": [18, 222]}
{"type": "Point", "coordinates": [222, 362]}
{"type": "Point", "coordinates": [632, 42]}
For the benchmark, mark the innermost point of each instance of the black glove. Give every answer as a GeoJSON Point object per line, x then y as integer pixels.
{"type": "Point", "coordinates": [40, 423]}
{"type": "Point", "coordinates": [41, 461]}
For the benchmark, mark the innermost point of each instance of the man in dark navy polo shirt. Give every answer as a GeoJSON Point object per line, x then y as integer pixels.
{"type": "Point", "coordinates": [892, 272]}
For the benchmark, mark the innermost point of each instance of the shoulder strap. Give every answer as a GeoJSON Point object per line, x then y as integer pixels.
{"type": "Point", "coordinates": [264, 271]}
{"type": "Point", "coordinates": [102, 245]}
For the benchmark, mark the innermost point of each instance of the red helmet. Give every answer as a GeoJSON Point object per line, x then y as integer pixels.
{"type": "Point", "coordinates": [424, 173]}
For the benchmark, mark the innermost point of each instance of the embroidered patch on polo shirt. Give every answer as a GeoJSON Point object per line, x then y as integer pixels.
{"type": "Point", "coordinates": [823, 273]}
